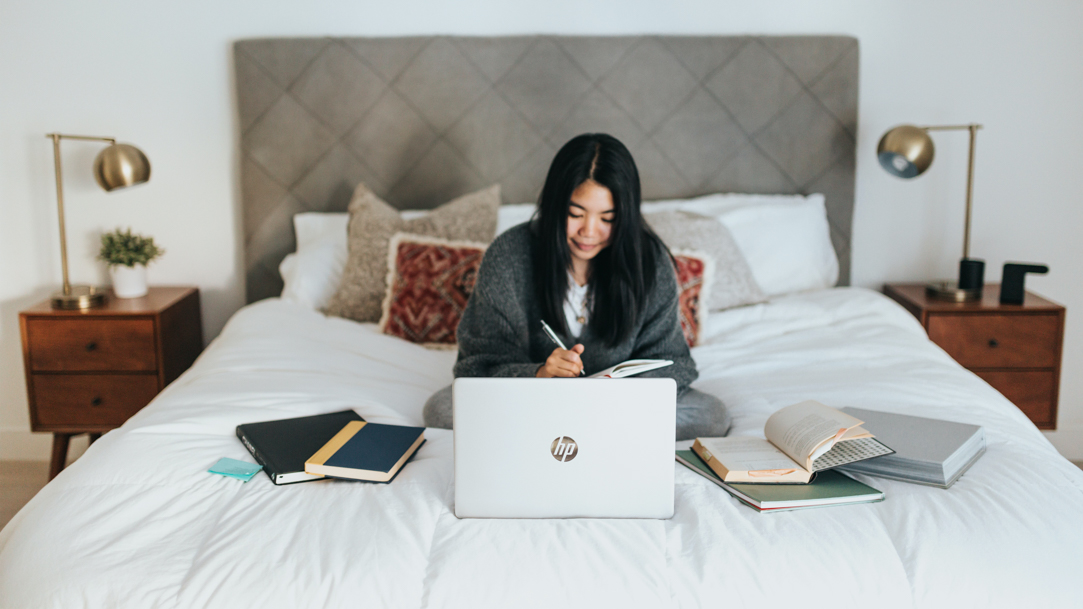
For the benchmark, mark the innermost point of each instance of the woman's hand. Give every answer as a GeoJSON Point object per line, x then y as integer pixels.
{"type": "Point", "coordinates": [562, 363]}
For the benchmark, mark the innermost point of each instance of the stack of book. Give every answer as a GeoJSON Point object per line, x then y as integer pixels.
{"type": "Point", "coordinates": [791, 468]}
{"type": "Point", "coordinates": [333, 445]}
{"type": "Point", "coordinates": [808, 446]}
{"type": "Point", "coordinates": [927, 451]}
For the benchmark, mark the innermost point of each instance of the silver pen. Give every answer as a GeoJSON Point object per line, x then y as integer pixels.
{"type": "Point", "coordinates": [556, 339]}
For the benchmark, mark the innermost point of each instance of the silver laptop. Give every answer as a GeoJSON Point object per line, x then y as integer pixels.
{"type": "Point", "coordinates": [564, 448]}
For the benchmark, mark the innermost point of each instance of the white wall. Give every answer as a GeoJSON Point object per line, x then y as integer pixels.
{"type": "Point", "coordinates": [159, 75]}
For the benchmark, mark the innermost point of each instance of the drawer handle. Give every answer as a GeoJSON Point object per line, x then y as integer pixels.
{"type": "Point", "coordinates": [91, 346]}
{"type": "Point", "coordinates": [96, 402]}
{"type": "Point", "coordinates": [993, 343]}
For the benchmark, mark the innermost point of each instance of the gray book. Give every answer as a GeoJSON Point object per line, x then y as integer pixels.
{"type": "Point", "coordinates": [927, 451]}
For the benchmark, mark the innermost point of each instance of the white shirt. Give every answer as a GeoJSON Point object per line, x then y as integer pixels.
{"type": "Point", "coordinates": [573, 306]}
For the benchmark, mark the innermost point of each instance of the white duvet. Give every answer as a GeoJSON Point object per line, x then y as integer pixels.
{"type": "Point", "coordinates": [137, 521]}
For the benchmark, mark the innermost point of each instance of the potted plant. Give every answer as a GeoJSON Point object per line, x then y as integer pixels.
{"type": "Point", "coordinates": [127, 256]}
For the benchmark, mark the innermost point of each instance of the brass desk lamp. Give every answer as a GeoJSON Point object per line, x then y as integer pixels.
{"type": "Point", "coordinates": [116, 166]}
{"type": "Point", "coordinates": [907, 151]}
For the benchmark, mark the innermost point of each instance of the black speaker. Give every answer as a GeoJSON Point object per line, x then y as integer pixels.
{"type": "Point", "coordinates": [971, 274]}
{"type": "Point", "coordinates": [1011, 282]}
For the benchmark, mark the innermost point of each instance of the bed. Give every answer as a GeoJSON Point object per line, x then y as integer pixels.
{"type": "Point", "coordinates": [137, 521]}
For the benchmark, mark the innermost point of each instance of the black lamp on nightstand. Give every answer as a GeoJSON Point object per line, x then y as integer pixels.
{"type": "Point", "coordinates": [907, 151]}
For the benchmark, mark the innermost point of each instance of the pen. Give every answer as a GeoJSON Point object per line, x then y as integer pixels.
{"type": "Point", "coordinates": [556, 339]}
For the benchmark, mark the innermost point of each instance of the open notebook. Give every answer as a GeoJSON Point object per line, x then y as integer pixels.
{"type": "Point", "coordinates": [631, 367]}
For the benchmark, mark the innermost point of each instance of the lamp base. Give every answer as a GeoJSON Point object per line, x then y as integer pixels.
{"type": "Point", "coordinates": [80, 297]}
{"type": "Point", "coordinates": [950, 290]}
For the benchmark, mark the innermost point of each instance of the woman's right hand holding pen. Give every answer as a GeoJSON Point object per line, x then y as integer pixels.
{"type": "Point", "coordinates": [562, 363]}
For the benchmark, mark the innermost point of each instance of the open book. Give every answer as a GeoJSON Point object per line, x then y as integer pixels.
{"type": "Point", "coordinates": [801, 439]}
{"type": "Point", "coordinates": [631, 367]}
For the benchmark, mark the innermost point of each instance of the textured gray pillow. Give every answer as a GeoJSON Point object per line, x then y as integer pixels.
{"type": "Point", "coordinates": [733, 283]}
{"type": "Point", "coordinates": [471, 217]}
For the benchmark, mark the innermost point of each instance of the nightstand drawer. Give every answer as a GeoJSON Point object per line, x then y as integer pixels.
{"type": "Point", "coordinates": [998, 341]}
{"type": "Point", "coordinates": [64, 345]}
{"type": "Point", "coordinates": [1031, 391]}
{"type": "Point", "coordinates": [91, 400]}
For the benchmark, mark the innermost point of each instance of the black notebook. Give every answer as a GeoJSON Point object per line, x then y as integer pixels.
{"type": "Point", "coordinates": [282, 446]}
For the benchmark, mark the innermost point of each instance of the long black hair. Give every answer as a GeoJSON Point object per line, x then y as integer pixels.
{"type": "Point", "coordinates": [622, 274]}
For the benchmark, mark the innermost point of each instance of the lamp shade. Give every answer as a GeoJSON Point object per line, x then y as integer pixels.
{"type": "Point", "coordinates": [121, 165]}
{"type": "Point", "coordinates": [905, 151]}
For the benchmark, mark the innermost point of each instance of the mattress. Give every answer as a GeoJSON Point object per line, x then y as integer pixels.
{"type": "Point", "coordinates": [137, 521]}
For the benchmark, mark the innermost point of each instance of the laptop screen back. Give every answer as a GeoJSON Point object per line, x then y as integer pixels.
{"type": "Point", "coordinates": [564, 448]}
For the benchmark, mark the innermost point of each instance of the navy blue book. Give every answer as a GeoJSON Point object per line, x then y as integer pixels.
{"type": "Point", "coordinates": [282, 446]}
{"type": "Point", "coordinates": [366, 451]}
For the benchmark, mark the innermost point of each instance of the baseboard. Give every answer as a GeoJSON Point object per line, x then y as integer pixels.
{"type": "Point", "coordinates": [1069, 442]}
{"type": "Point", "coordinates": [24, 445]}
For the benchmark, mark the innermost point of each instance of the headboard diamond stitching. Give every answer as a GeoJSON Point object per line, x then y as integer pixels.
{"type": "Point", "coordinates": [423, 119]}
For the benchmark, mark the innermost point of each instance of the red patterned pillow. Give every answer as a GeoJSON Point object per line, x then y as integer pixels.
{"type": "Point", "coordinates": [694, 273]}
{"type": "Point", "coordinates": [429, 281]}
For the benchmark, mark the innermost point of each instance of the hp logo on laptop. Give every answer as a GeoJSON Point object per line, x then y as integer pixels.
{"type": "Point", "coordinates": [564, 449]}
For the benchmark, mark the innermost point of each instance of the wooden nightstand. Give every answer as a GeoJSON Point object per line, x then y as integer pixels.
{"type": "Point", "coordinates": [1015, 348]}
{"type": "Point", "coordinates": [89, 371]}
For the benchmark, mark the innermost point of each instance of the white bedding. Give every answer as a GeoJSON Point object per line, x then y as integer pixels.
{"type": "Point", "coordinates": [137, 521]}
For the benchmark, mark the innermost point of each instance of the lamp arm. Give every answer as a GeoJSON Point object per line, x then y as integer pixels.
{"type": "Point", "coordinates": [87, 138]}
{"type": "Point", "coordinates": [969, 189]}
{"type": "Point", "coordinates": [56, 137]}
{"type": "Point", "coordinates": [60, 211]}
{"type": "Point", "coordinates": [950, 127]}
{"type": "Point", "coordinates": [973, 129]}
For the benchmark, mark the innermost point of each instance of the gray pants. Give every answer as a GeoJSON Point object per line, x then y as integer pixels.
{"type": "Point", "coordinates": [698, 414]}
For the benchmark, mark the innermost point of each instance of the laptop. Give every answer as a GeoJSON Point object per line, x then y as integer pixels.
{"type": "Point", "coordinates": [564, 448]}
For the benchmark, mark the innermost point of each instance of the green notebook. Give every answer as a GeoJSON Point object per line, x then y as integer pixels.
{"type": "Point", "coordinates": [829, 488]}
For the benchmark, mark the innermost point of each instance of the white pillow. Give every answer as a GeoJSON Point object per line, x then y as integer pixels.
{"type": "Point", "coordinates": [787, 245]}
{"type": "Point", "coordinates": [715, 204]}
{"type": "Point", "coordinates": [311, 275]}
{"type": "Point", "coordinates": [513, 215]}
{"type": "Point", "coordinates": [785, 238]}
{"type": "Point", "coordinates": [313, 228]}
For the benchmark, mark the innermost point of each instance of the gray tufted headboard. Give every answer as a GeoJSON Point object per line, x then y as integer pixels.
{"type": "Point", "coordinates": [422, 120]}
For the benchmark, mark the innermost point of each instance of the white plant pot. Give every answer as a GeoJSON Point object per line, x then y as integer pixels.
{"type": "Point", "coordinates": [129, 281]}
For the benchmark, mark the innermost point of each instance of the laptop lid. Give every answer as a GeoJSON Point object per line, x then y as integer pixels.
{"type": "Point", "coordinates": [564, 448]}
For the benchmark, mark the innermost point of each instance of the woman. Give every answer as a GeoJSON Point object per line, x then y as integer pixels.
{"type": "Point", "coordinates": [590, 267]}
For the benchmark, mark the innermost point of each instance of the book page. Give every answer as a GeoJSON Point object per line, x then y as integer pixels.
{"type": "Point", "coordinates": [844, 452]}
{"type": "Point", "coordinates": [745, 459]}
{"type": "Point", "coordinates": [855, 433]}
{"type": "Point", "coordinates": [747, 454]}
{"type": "Point", "coordinates": [806, 430]}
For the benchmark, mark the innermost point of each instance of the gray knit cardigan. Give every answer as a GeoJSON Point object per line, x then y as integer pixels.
{"type": "Point", "coordinates": [501, 333]}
